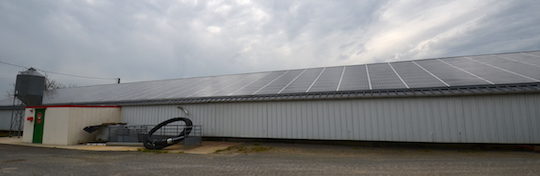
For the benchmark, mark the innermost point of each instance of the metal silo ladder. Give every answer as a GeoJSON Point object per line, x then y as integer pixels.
{"type": "Point", "coordinates": [17, 114]}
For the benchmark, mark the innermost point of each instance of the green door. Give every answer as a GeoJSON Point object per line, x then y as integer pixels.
{"type": "Point", "coordinates": [38, 126]}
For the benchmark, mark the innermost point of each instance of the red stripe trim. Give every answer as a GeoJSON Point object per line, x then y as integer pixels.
{"type": "Point", "coordinates": [72, 106]}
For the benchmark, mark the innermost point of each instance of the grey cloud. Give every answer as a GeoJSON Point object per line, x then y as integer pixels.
{"type": "Point", "coordinates": [148, 40]}
{"type": "Point", "coordinates": [512, 28]}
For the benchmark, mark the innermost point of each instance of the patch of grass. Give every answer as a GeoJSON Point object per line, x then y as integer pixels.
{"type": "Point", "coordinates": [224, 150]}
{"type": "Point", "coordinates": [152, 151]}
{"type": "Point", "coordinates": [245, 149]}
{"type": "Point", "coordinates": [251, 149]}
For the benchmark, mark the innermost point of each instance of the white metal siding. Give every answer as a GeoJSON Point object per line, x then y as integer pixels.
{"type": "Point", "coordinates": [5, 119]}
{"type": "Point", "coordinates": [468, 119]}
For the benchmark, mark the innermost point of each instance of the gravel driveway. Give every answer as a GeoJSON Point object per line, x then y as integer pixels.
{"type": "Point", "coordinates": [270, 159]}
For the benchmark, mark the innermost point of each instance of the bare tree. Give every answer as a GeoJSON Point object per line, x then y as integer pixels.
{"type": "Point", "coordinates": [51, 84]}
{"type": "Point", "coordinates": [10, 92]}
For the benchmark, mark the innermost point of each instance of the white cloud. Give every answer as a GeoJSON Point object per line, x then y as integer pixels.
{"type": "Point", "coordinates": [213, 29]}
{"type": "Point", "coordinates": [402, 27]}
{"type": "Point", "coordinates": [146, 40]}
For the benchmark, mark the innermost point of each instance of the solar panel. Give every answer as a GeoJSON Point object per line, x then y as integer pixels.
{"type": "Point", "coordinates": [131, 91]}
{"type": "Point", "coordinates": [457, 71]}
{"type": "Point", "coordinates": [143, 91]}
{"type": "Point", "coordinates": [196, 84]}
{"type": "Point", "coordinates": [171, 88]}
{"type": "Point", "coordinates": [183, 88]}
{"type": "Point", "coordinates": [523, 58]}
{"type": "Point", "coordinates": [383, 77]}
{"type": "Point", "coordinates": [302, 83]}
{"type": "Point", "coordinates": [355, 78]}
{"type": "Point", "coordinates": [487, 72]}
{"type": "Point", "coordinates": [510, 65]}
{"type": "Point", "coordinates": [536, 53]}
{"type": "Point", "coordinates": [221, 86]}
{"type": "Point", "coordinates": [414, 76]}
{"type": "Point", "coordinates": [450, 75]}
{"type": "Point", "coordinates": [242, 80]}
{"type": "Point", "coordinates": [328, 81]}
{"type": "Point", "coordinates": [250, 88]}
{"type": "Point", "coordinates": [279, 83]}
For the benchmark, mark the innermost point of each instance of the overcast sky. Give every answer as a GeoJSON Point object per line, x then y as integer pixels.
{"type": "Point", "coordinates": [149, 40]}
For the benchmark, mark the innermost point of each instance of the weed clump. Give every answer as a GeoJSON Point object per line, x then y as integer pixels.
{"type": "Point", "coordinates": [254, 148]}
{"type": "Point", "coordinates": [151, 151]}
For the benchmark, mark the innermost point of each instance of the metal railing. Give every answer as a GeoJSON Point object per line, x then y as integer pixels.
{"type": "Point", "coordinates": [137, 133]}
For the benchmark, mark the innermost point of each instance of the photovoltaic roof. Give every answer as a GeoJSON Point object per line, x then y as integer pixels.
{"type": "Point", "coordinates": [491, 69]}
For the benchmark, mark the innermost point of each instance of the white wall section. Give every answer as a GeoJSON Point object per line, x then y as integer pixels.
{"type": "Point", "coordinates": [459, 119]}
{"type": "Point", "coordinates": [64, 125]}
{"type": "Point", "coordinates": [5, 119]}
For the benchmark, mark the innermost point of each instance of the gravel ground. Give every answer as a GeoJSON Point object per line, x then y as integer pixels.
{"type": "Point", "coordinates": [271, 159]}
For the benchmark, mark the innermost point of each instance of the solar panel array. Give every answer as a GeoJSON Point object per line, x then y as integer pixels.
{"type": "Point", "coordinates": [509, 68]}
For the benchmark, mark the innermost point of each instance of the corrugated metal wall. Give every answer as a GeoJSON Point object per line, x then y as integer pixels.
{"type": "Point", "coordinates": [5, 119]}
{"type": "Point", "coordinates": [470, 119]}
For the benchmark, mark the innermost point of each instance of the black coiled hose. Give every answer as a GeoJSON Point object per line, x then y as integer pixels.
{"type": "Point", "coordinates": [157, 144]}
